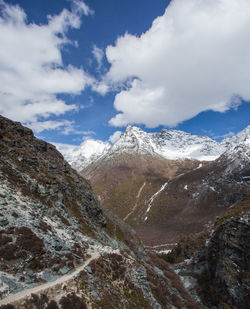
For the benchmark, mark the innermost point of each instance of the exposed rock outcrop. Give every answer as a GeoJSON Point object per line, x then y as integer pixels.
{"type": "Point", "coordinates": [226, 276]}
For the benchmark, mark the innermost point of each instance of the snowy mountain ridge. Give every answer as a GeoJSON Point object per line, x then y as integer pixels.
{"type": "Point", "coordinates": [80, 156]}
{"type": "Point", "coordinates": [240, 152]}
{"type": "Point", "coordinates": [169, 144]}
{"type": "Point", "coordinates": [236, 139]}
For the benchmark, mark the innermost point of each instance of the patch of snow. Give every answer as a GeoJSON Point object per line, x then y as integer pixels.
{"type": "Point", "coordinates": [163, 245]}
{"type": "Point", "coordinates": [188, 261]}
{"type": "Point", "coordinates": [163, 251]}
{"type": "Point", "coordinates": [180, 175]}
{"type": "Point", "coordinates": [154, 196]}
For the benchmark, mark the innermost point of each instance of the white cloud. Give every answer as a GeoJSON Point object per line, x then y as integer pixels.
{"type": "Point", "coordinates": [100, 86]}
{"type": "Point", "coordinates": [32, 72]}
{"type": "Point", "coordinates": [79, 6]}
{"type": "Point", "coordinates": [115, 137]}
{"type": "Point", "coordinates": [71, 129]}
{"type": "Point", "coordinates": [40, 126]}
{"type": "Point", "coordinates": [98, 54]}
{"type": "Point", "coordinates": [67, 127]}
{"type": "Point", "coordinates": [218, 137]}
{"type": "Point", "coordinates": [196, 57]}
{"type": "Point", "coordinates": [229, 134]}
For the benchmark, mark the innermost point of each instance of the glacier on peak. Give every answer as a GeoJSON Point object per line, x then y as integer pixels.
{"type": "Point", "coordinates": [169, 144]}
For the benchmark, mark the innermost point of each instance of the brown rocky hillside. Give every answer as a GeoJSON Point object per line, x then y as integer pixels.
{"type": "Point", "coordinates": [193, 193]}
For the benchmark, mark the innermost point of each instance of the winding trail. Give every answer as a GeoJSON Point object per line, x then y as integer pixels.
{"type": "Point", "coordinates": [135, 206]}
{"type": "Point", "coordinates": [94, 251]}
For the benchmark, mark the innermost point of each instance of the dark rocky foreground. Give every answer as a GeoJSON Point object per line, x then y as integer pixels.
{"type": "Point", "coordinates": [215, 266]}
{"type": "Point", "coordinates": [58, 249]}
{"type": "Point", "coordinates": [226, 276]}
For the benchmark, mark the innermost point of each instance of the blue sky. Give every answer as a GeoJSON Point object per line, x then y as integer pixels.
{"type": "Point", "coordinates": [92, 67]}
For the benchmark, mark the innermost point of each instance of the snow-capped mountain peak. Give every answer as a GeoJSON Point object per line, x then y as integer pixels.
{"type": "Point", "coordinates": [134, 139]}
{"type": "Point", "coordinates": [80, 156]}
{"type": "Point", "coordinates": [239, 152]}
{"type": "Point", "coordinates": [169, 144]}
{"type": "Point", "coordinates": [175, 144]}
{"type": "Point", "coordinates": [234, 140]}
{"type": "Point", "coordinates": [91, 147]}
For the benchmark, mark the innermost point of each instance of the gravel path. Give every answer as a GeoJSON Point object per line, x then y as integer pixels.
{"type": "Point", "coordinates": [94, 252]}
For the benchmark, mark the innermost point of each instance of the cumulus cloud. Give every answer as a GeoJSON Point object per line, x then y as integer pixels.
{"type": "Point", "coordinates": [32, 73]}
{"type": "Point", "coordinates": [101, 87]}
{"type": "Point", "coordinates": [196, 57]}
{"type": "Point", "coordinates": [115, 137]}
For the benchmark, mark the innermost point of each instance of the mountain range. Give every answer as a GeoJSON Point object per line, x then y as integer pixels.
{"type": "Point", "coordinates": [168, 144]}
{"type": "Point", "coordinates": [167, 184]}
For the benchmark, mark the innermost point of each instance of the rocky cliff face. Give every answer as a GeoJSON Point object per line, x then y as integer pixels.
{"type": "Point", "coordinates": [227, 273]}
{"type": "Point", "coordinates": [217, 270]}
{"type": "Point", "coordinates": [58, 249]}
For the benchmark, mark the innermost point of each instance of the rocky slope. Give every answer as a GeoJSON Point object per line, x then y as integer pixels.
{"type": "Point", "coordinates": [58, 249]}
